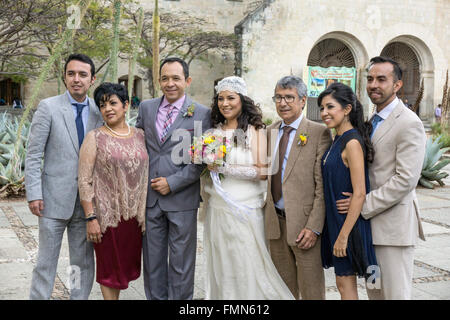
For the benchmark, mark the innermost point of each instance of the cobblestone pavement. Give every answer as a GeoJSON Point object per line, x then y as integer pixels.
{"type": "Point", "coordinates": [19, 243]}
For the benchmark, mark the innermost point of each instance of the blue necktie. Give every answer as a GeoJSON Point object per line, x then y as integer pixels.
{"type": "Point", "coordinates": [79, 123]}
{"type": "Point", "coordinates": [375, 120]}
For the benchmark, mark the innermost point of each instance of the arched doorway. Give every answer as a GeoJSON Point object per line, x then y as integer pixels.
{"type": "Point", "coordinates": [421, 66]}
{"type": "Point", "coordinates": [409, 63]}
{"type": "Point", "coordinates": [137, 89]}
{"type": "Point", "coordinates": [9, 90]}
{"type": "Point", "coordinates": [327, 53]}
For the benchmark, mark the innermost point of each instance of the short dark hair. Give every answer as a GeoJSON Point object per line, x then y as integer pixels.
{"type": "Point", "coordinates": [104, 92]}
{"type": "Point", "coordinates": [398, 73]}
{"type": "Point", "coordinates": [83, 58]}
{"type": "Point", "coordinates": [180, 61]}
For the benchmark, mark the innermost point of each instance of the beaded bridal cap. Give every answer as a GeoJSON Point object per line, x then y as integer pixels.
{"type": "Point", "coordinates": [233, 83]}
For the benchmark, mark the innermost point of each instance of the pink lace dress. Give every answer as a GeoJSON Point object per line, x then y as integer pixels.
{"type": "Point", "coordinates": [113, 174]}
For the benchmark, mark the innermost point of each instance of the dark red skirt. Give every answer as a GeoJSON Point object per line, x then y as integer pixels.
{"type": "Point", "coordinates": [119, 255]}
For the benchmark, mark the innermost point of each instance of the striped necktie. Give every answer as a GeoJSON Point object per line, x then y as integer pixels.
{"type": "Point", "coordinates": [167, 122]}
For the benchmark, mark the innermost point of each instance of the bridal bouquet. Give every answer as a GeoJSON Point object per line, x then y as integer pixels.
{"type": "Point", "coordinates": [210, 148]}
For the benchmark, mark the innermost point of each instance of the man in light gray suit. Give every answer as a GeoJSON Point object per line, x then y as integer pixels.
{"type": "Point", "coordinates": [398, 138]}
{"type": "Point", "coordinates": [170, 241]}
{"type": "Point", "coordinates": [57, 131]}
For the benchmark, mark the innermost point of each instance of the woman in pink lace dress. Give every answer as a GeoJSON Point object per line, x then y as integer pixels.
{"type": "Point", "coordinates": [113, 172]}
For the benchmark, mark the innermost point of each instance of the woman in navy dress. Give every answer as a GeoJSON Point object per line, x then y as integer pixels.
{"type": "Point", "coordinates": [347, 239]}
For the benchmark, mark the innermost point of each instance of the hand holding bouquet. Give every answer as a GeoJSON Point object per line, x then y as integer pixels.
{"type": "Point", "coordinates": [211, 149]}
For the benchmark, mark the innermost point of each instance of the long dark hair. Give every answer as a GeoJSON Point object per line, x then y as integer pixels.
{"type": "Point", "coordinates": [251, 114]}
{"type": "Point", "coordinates": [345, 96]}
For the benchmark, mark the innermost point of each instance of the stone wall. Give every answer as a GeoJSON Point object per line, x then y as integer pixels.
{"type": "Point", "coordinates": [278, 37]}
{"type": "Point", "coordinates": [221, 15]}
{"type": "Point", "coordinates": [277, 41]}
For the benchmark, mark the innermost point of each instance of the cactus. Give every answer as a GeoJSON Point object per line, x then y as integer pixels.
{"type": "Point", "coordinates": [115, 43]}
{"type": "Point", "coordinates": [132, 62]}
{"type": "Point", "coordinates": [433, 163]}
{"type": "Point", "coordinates": [155, 47]}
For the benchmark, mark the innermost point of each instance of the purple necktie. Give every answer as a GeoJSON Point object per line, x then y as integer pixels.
{"type": "Point", "coordinates": [167, 122]}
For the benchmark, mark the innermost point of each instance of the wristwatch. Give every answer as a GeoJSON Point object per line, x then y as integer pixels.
{"type": "Point", "coordinates": [90, 217]}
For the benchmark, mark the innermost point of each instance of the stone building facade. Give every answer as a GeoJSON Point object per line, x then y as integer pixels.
{"type": "Point", "coordinates": [221, 15]}
{"type": "Point", "coordinates": [281, 37]}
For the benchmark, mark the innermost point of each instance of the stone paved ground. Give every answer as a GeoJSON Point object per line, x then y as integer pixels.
{"type": "Point", "coordinates": [19, 236]}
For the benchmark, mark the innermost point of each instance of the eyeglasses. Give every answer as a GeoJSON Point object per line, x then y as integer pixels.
{"type": "Point", "coordinates": [288, 99]}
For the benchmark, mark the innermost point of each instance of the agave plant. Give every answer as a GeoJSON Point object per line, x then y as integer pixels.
{"type": "Point", "coordinates": [12, 178]}
{"type": "Point", "coordinates": [433, 163]}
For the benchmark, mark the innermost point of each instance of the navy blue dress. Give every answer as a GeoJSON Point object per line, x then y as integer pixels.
{"type": "Point", "coordinates": [336, 179]}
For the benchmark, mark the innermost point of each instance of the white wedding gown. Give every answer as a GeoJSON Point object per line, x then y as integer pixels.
{"type": "Point", "coordinates": [238, 264]}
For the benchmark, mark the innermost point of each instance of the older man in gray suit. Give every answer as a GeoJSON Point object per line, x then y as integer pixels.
{"type": "Point", "coordinates": [57, 131]}
{"type": "Point", "coordinates": [170, 241]}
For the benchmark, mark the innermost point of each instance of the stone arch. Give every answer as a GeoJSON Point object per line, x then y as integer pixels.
{"type": "Point", "coordinates": [426, 71]}
{"type": "Point", "coordinates": [344, 49]}
{"type": "Point", "coordinates": [137, 85]}
{"type": "Point", "coordinates": [355, 46]}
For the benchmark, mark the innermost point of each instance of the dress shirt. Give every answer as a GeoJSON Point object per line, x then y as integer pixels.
{"type": "Point", "coordinates": [384, 114]}
{"type": "Point", "coordinates": [84, 113]}
{"type": "Point", "coordinates": [295, 124]}
{"type": "Point", "coordinates": [292, 135]}
{"type": "Point", "coordinates": [162, 112]}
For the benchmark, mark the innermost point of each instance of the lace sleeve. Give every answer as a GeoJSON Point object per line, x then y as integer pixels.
{"type": "Point", "coordinates": [88, 153]}
{"type": "Point", "coordinates": [239, 171]}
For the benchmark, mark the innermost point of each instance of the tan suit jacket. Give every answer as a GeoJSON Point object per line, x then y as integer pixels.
{"type": "Point", "coordinates": [392, 206]}
{"type": "Point", "coordinates": [302, 184]}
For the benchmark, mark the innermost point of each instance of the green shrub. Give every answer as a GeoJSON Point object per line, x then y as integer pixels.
{"type": "Point", "coordinates": [444, 133]}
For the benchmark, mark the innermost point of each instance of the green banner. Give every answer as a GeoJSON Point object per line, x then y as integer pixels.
{"type": "Point", "coordinates": [320, 78]}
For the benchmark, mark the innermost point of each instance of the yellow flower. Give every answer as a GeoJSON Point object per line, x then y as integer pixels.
{"type": "Point", "coordinates": [303, 139]}
{"type": "Point", "coordinates": [209, 140]}
{"type": "Point", "coordinates": [223, 149]}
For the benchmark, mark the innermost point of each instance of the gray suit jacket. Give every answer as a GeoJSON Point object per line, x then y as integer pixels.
{"type": "Point", "coordinates": [183, 178]}
{"type": "Point", "coordinates": [399, 144]}
{"type": "Point", "coordinates": [53, 133]}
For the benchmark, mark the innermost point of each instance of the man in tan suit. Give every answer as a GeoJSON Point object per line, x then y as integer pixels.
{"type": "Point", "coordinates": [295, 209]}
{"type": "Point", "coordinates": [398, 138]}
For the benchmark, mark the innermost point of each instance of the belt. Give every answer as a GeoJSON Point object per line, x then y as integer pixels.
{"type": "Point", "coordinates": [280, 212]}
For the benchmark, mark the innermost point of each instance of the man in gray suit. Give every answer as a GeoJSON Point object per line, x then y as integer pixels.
{"type": "Point", "coordinates": [57, 131]}
{"type": "Point", "coordinates": [398, 138]}
{"type": "Point", "coordinates": [170, 241]}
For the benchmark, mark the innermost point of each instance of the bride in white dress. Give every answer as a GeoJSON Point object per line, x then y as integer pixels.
{"type": "Point", "coordinates": [238, 264]}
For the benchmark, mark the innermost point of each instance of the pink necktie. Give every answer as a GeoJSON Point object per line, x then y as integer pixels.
{"type": "Point", "coordinates": [167, 122]}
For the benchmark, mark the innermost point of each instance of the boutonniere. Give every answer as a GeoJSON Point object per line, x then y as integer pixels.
{"type": "Point", "coordinates": [190, 111]}
{"type": "Point", "coordinates": [302, 139]}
